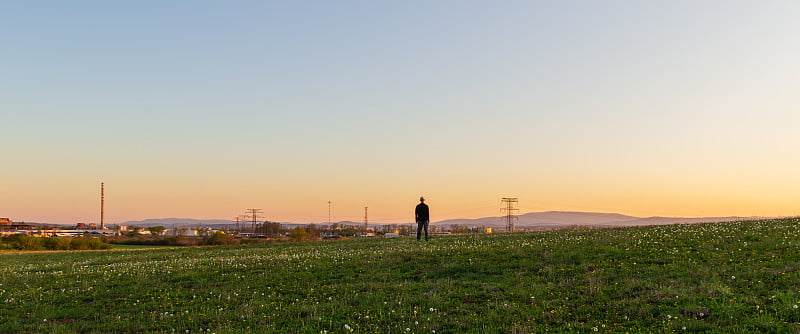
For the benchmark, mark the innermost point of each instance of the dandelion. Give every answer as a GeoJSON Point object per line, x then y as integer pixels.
{"type": "Point", "coordinates": [347, 327]}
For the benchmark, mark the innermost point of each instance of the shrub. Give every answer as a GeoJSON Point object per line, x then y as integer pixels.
{"type": "Point", "coordinates": [26, 242]}
{"type": "Point", "coordinates": [94, 243]}
{"type": "Point", "coordinates": [220, 238]}
{"type": "Point", "coordinates": [56, 243]}
{"type": "Point", "coordinates": [79, 244]}
{"type": "Point", "coordinates": [298, 234]}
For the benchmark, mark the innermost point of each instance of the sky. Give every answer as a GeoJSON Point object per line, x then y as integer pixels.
{"type": "Point", "coordinates": [204, 109]}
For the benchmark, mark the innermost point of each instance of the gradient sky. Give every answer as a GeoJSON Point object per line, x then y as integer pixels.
{"type": "Point", "coordinates": [203, 109]}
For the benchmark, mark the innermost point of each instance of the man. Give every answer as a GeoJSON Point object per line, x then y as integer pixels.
{"type": "Point", "coordinates": [423, 218]}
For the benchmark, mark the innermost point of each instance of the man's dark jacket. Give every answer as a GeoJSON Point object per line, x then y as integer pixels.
{"type": "Point", "coordinates": [423, 216]}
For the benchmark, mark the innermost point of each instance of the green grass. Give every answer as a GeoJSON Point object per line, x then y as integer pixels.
{"type": "Point", "coordinates": [739, 277]}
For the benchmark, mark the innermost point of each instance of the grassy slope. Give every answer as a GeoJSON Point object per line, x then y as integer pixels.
{"type": "Point", "coordinates": [725, 277]}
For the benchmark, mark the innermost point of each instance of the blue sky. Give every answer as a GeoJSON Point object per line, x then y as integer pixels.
{"type": "Point", "coordinates": [206, 108]}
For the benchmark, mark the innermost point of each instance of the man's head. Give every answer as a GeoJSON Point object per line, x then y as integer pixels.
{"type": "Point", "coordinates": [422, 199]}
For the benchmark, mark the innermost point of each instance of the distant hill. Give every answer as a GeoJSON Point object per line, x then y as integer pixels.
{"type": "Point", "coordinates": [169, 222]}
{"type": "Point", "coordinates": [678, 220]}
{"type": "Point", "coordinates": [533, 220]}
{"type": "Point", "coordinates": [560, 219]}
{"type": "Point", "coordinates": [213, 223]}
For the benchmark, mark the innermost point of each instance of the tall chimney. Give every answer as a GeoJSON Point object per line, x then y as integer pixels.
{"type": "Point", "coordinates": [102, 206]}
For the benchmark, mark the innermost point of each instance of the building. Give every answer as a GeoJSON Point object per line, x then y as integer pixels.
{"type": "Point", "coordinates": [9, 227]}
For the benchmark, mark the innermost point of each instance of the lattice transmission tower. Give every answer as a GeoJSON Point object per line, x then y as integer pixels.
{"type": "Point", "coordinates": [254, 214]}
{"type": "Point", "coordinates": [365, 219]}
{"type": "Point", "coordinates": [510, 218]}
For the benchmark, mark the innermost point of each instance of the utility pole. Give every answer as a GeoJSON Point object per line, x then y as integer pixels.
{"type": "Point", "coordinates": [365, 219]}
{"type": "Point", "coordinates": [329, 212]}
{"type": "Point", "coordinates": [510, 218]}
{"type": "Point", "coordinates": [254, 214]}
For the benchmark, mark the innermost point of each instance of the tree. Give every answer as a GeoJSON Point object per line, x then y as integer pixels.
{"type": "Point", "coordinates": [157, 230]}
{"type": "Point", "coordinates": [314, 232]}
{"type": "Point", "coordinates": [298, 234]}
{"type": "Point", "coordinates": [270, 229]}
{"type": "Point", "coordinates": [406, 230]}
{"type": "Point", "coordinates": [459, 229]}
{"type": "Point", "coordinates": [134, 230]}
{"type": "Point", "coordinates": [348, 230]}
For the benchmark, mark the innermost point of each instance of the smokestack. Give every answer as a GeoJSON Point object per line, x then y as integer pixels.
{"type": "Point", "coordinates": [102, 206]}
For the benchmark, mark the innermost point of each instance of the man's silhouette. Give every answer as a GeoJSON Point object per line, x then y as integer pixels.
{"type": "Point", "coordinates": [423, 218]}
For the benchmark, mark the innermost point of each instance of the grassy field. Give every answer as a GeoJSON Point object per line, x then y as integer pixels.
{"type": "Point", "coordinates": [139, 247]}
{"type": "Point", "coordinates": [739, 277]}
